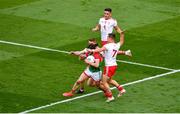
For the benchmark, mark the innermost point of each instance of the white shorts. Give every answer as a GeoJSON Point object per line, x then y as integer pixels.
{"type": "Point", "coordinates": [96, 76]}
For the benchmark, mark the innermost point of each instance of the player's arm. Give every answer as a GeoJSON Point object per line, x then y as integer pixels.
{"type": "Point", "coordinates": [118, 29]}
{"type": "Point", "coordinates": [121, 32]}
{"type": "Point", "coordinates": [121, 41]}
{"type": "Point", "coordinates": [97, 28]}
{"type": "Point", "coordinates": [99, 49]}
{"type": "Point", "coordinates": [127, 52]}
{"type": "Point", "coordinates": [78, 53]}
{"type": "Point", "coordinates": [94, 64]}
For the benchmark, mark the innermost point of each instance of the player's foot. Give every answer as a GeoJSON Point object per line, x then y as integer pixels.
{"type": "Point", "coordinates": [128, 53]}
{"type": "Point", "coordinates": [80, 91]}
{"type": "Point", "coordinates": [109, 99]}
{"type": "Point", "coordinates": [68, 94]}
{"type": "Point", "coordinates": [121, 92]}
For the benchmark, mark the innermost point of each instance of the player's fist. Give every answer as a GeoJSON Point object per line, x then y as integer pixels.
{"type": "Point", "coordinates": [71, 52]}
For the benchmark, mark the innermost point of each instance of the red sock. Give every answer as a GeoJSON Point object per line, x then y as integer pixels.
{"type": "Point", "coordinates": [120, 88]}
{"type": "Point", "coordinates": [108, 94]}
{"type": "Point", "coordinates": [73, 91]}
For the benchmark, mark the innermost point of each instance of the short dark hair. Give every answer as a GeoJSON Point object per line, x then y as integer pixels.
{"type": "Point", "coordinates": [108, 9]}
{"type": "Point", "coordinates": [112, 35]}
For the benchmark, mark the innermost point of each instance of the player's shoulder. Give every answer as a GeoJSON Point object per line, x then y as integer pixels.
{"type": "Point", "coordinates": [113, 19]}
{"type": "Point", "coordinates": [108, 45]}
{"type": "Point", "coordinates": [118, 44]}
{"type": "Point", "coordinates": [102, 18]}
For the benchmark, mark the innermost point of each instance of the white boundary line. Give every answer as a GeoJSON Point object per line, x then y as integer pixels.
{"type": "Point", "coordinates": [172, 71]}
{"type": "Point", "coordinates": [146, 65]}
{"type": "Point", "coordinates": [93, 93]}
{"type": "Point", "coordinates": [31, 46]}
{"type": "Point", "coordinates": [55, 50]}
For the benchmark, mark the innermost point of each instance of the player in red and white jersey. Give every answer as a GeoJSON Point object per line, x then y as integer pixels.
{"type": "Point", "coordinates": [110, 54]}
{"type": "Point", "coordinates": [106, 25]}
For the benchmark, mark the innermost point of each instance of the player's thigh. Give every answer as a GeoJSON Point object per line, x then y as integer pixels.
{"type": "Point", "coordinates": [105, 78]}
{"type": "Point", "coordinates": [83, 77]}
{"type": "Point", "coordinates": [90, 82]}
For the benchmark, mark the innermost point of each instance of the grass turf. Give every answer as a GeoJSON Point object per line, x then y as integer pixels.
{"type": "Point", "coordinates": [31, 78]}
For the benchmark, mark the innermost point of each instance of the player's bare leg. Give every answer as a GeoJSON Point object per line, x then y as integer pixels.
{"type": "Point", "coordinates": [108, 92]}
{"type": "Point", "coordinates": [118, 86]}
{"type": "Point", "coordinates": [101, 87]}
{"type": "Point", "coordinates": [91, 82]}
{"type": "Point", "coordinates": [81, 80]}
{"type": "Point", "coordinates": [81, 89]}
{"type": "Point", "coordinates": [97, 84]}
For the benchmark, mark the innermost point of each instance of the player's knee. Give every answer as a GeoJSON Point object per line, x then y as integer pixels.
{"type": "Point", "coordinates": [90, 84]}
{"type": "Point", "coordinates": [98, 84]}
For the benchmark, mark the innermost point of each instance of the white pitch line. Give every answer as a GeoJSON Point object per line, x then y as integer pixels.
{"type": "Point", "coordinates": [55, 50]}
{"type": "Point", "coordinates": [93, 93]}
{"type": "Point", "coordinates": [31, 46]}
{"type": "Point", "coordinates": [146, 65]}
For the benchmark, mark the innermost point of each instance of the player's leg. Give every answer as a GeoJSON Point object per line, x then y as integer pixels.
{"type": "Point", "coordinates": [105, 78]}
{"type": "Point", "coordinates": [108, 92]}
{"type": "Point", "coordinates": [96, 78]}
{"type": "Point", "coordinates": [91, 82]}
{"type": "Point", "coordinates": [81, 89]}
{"type": "Point", "coordinates": [118, 86]}
{"type": "Point", "coordinates": [81, 80]}
{"type": "Point", "coordinates": [100, 86]}
{"type": "Point", "coordinates": [112, 71]}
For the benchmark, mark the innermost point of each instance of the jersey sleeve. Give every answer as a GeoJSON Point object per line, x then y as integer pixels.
{"type": "Point", "coordinates": [99, 21]}
{"type": "Point", "coordinates": [106, 46]}
{"type": "Point", "coordinates": [118, 44]}
{"type": "Point", "coordinates": [115, 23]}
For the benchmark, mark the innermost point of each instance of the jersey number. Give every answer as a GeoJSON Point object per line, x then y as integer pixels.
{"type": "Point", "coordinates": [114, 52]}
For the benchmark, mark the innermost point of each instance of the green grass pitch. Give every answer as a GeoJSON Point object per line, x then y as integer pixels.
{"type": "Point", "coordinates": [31, 78]}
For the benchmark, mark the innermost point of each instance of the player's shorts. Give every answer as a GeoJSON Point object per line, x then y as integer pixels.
{"type": "Point", "coordinates": [109, 71]}
{"type": "Point", "coordinates": [96, 76]}
{"type": "Point", "coordinates": [103, 43]}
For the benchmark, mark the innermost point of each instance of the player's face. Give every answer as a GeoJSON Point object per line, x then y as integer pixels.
{"type": "Point", "coordinates": [107, 14]}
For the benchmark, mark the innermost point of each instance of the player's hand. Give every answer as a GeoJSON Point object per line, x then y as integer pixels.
{"type": "Point", "coordinates": [82, 57]}
{"type": "Point", "coordinates": [86, 61]}
{"type": "Point", "coordinates": [122, 32]}
{"type": "Point", "coordinates": [128, 53]}
{"type": "Point", "coordinates": [71, 52]}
